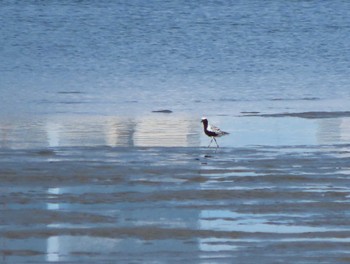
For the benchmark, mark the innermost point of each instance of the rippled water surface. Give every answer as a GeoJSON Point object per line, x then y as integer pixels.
{"type": "Point", "coordinates": [96, 57]}
{"type": "Point", "coordinates": [176, 204]}
{"type": "Point", "coordinates": [102, 154]}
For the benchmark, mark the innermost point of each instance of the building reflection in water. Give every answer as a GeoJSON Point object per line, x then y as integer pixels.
{"type": "Point", "coordinates": [5, 131]}
{"type": "Point", "coordinates": [167, 132]}
{"type": "Point", "coordinates": [53, 134]}
{"type": "Point", "coordinates": [345, 130]}
{"type": "Point", "coordinates": [152, 131]}
{"type": "Point", "coordinates": [53, 243]}
{"type": "Point", "coordinates": [333, 132]}
{"type": "Point", "coordinates": [119, 131]}
{"type": "Point", "coordinates": [329, 130]}
{"type": "Point", "coordinates": [157, 130]}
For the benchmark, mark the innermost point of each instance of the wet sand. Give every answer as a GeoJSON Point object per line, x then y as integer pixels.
{"type": "Point", "coordinates": [269, 203]}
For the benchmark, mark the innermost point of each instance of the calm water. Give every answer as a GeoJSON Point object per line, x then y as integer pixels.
{"type": "Point", "coordinates": [88, 173]}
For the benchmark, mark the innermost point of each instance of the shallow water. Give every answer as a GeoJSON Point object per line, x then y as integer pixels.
{"type": "Point", "coordinates": [174, 130]}
{"type": "Point", "coordinates": [147, 189]}
{"type": "Point", "coordinates": [102, 154]}
{"type": "Point", "coordinates": [147, 204]}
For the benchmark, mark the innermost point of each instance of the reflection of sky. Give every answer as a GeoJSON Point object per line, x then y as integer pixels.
{"type": "Point", "coordinates": [266, 131]}
{"type": "Point", "coordinates": [53, 242]}
{"type": "Point", "coordinates": [278, 131]}
{"type": "Point", "coordinates": [53, 134]}
{"type": "Point", "coordinates": [247, 223]}
{"type": "Point", "coordinates": [171, 130]}
{"type": "Point", "coordinates": [55, 131]}
{"type": "Point", "coordinates": [216, 173]}
{"type": "Point", "coordinates": [229, 221]}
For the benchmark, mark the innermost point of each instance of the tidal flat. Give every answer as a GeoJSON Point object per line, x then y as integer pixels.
{"type": "Point", "coordinates": [176, 204]}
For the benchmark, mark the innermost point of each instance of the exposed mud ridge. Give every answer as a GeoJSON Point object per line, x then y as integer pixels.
{"type": "Point", "coordinates": [308, 115]}
{"type": "Point", "coordinates": [178, 204]}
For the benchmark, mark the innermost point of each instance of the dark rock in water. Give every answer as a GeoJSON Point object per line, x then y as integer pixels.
{"type": "Point", "coordinates": [70, 92]}
{"type": "Point", "coordinates": [165, 111]}
{"type": "Point", "coordinates": [250, 112]}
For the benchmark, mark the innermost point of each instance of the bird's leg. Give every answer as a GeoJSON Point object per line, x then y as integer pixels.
{"type": "Point", "coordinates": [210, 142]}
{"type": "Point", "coordinates": [216, 142]}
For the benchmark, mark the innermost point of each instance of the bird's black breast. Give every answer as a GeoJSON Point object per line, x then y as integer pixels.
{"type": "Point", "coordinates": [210, 133]}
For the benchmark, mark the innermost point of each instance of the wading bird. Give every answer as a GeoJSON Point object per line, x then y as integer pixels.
{"type": "Point", "coordinates": [212, 131]}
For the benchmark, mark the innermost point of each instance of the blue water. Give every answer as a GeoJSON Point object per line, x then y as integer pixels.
{"type": "Point", "coordinates": [89, 173]}
{"type": "Point", "coordinates": [213, 57]}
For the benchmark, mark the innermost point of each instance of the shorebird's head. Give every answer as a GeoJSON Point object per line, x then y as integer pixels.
{"type": "Point", "coordinates": [204, 120]}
